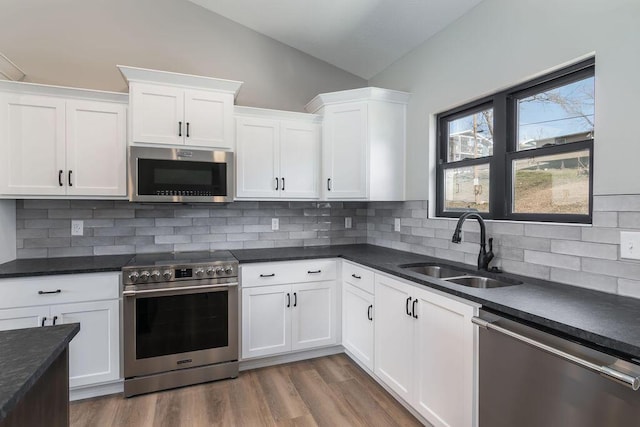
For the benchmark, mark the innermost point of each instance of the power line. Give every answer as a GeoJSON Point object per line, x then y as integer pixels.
{"type": "Point", "coordinates": [557, 120]}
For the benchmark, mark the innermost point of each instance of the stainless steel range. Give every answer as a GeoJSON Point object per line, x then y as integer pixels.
{"type": "Point", "coordinates": [180, 313]}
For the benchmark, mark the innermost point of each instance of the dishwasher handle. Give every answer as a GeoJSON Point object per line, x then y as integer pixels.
{"type": "Point", "coordinates": [633, 382]}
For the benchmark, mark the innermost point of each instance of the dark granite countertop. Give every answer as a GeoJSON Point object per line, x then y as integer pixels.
{"type": "Point", "coordinates": [25, 354]}
{"type": "Point", "coordinates": [607, 321]}
{"type": "Point", "coordinates": [67, 265]}
{"type": "Point", "coordinates": [601, 320]}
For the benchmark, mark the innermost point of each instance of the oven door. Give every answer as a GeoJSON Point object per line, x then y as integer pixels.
{"type": "Point", "coordinates": [180, 175]}
{"type": "Point", "coordinates": [176, 328]}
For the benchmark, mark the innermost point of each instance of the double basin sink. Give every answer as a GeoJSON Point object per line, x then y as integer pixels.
{"type": "Point", "coordinates": [459, 277]}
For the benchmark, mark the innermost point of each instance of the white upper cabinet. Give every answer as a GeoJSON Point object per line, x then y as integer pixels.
{"type": "Point", "coordinates": [363, 143]}
{"type": "Point", "coordinates": [96, 154]}
{"type": "Point", "coordinates": [60, 145]}
{"type": "Point", "coordinates": [181, 109]}
{"type": "Point", "coordinates": [278, 154]}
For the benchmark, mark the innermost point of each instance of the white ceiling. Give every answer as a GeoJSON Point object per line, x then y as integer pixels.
{"type": "Point", "coordinates": [360, 36]}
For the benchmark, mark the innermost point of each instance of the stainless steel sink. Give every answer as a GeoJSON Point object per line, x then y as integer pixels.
{"type": "Point", "coordinates": [483, 282]}
{"type": "Point", "coordinates": [434, 270]}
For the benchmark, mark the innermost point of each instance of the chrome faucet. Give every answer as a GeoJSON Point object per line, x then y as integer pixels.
{"type": "Point", "coordinates": [484, 257]}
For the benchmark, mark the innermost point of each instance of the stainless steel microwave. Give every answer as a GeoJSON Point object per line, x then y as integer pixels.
{"type": "Point", "coordinates": [180, 175]}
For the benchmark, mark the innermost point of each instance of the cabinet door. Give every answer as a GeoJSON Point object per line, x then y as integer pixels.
{"type": "Point", "coordinates": [444, 347]}
{"type": "Point", "coordinates": [157, 114]}
{"type": "Point", "coordinates": [32, 145]}
{"type": "Point", "coordinates": [313, 320]}
{"type": "Point", "coordinates": [258, 158]}
{"type": "Point", "coordinates": [345, 151]}
{"type": "Point", "coordinates": [393, 360]}
{"type": "Point", "coordinates": [266, 320]}
{"type": "Point", "coordinates": [94, 354]}
{"type": "Point", "coordinates": [96, 149]}
{"type": "Point", "coordinates": [357, 323]}
{"type": "Point", "coordinates": [28, 317]}
{"type": "Point", "coordinates": [208, 119]}
{"type": "Point", "coordinates": [300, 160]}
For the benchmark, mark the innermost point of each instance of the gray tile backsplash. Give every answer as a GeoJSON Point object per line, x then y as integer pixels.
{"type": "Point", "coordinates": [120, 227]}
{"type": "Point", "coordinates": [579, 255]}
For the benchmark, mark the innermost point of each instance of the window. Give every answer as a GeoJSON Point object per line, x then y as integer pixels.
{"type": "Point", "coordinates": [522, 154]}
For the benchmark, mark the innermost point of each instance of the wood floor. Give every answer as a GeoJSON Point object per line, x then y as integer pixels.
{"type": "Point", "coordinates": [327, 391]}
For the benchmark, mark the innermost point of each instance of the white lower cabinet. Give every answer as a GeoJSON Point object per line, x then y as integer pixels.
{"type": "Point", "coordinates": [94, 352]}
{"type": "Point", "coordinates": [424, 351]}
{"type": "Point", "coordinates": [358, 323]}
{"type": "Point", "coordinates": [288, 306]}
{"type": "Point", "coordinates": [88, 299]}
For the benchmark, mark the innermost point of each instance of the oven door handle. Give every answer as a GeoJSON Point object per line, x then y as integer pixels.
{"type": "Point", "coordinates": [179, 288]}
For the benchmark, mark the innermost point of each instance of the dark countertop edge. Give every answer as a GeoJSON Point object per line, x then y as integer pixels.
{"type": "Point", "coordinates": [9, 404]}
{"type": "Point", "coordinates": [59, 272]}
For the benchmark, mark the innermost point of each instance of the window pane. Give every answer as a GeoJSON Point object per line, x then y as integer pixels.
{"type": "Point", "coordinates": [557, 116]}
{"type": "Point", "coordinates": [471, 136]}
{"type": "Point", "coordinates": [467, 188]}
{"type": "Point", "coordinates": [557, 183]}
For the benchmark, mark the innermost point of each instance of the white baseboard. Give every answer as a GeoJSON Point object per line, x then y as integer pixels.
{"type": "Point", "coordinates": [87, 392]}
{"type": "Point", "coordinates": [262, 362]}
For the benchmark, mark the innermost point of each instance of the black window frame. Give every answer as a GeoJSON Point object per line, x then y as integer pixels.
{"type": "Point", "coordinates": [505, 126]}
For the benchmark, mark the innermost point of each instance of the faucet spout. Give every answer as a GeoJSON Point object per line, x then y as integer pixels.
{"type": "Point", "coordinates": [484, 257]}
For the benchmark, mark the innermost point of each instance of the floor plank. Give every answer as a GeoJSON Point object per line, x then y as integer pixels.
{"type": "Point", "coordinates": [327, 391]}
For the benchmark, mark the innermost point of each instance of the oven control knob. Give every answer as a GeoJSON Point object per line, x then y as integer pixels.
{"type": "Point", "coordinates": [133, 276]}
{"type": "Point", "coordinates": [199, 272]}
{"type": "Point", "coordinates": [228, 269]}
{"type": "Point", "coordinates": [167, 275]}
{"type": "Point", "coordinates": [155, 275]}
{"type": "Point", "coordinates": [211, 271]}
{"type": "Point", "coordinates": [219, 270]}
{"type": "Point", "coordinates": [144, 276]}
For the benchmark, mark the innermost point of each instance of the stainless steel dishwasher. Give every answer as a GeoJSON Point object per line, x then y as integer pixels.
{"type": "Point", "coordinates": [529, 378]}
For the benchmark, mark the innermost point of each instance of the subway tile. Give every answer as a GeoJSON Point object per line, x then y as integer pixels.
{"type": "Point", "coordinates": [523, 242]}
{"type": "Point", "coordinates": [303, 234]}
{"type": "Point", "coordinates": [621, 269]}
{"type": "Point", "coordinates": [423, 232]}
{"type": "Point", "coordinates": [185, 247]}
{"type": "Point", "coordinates": [620, 203]}
{"type": "Point", "coordinates": [258, 244]}
{"type": "Point", "coordinates": [316, 242]}
{"type": "Point", "coordinates": [564, 232]}
{"type": "Point", "coordinates": [423, 250]}
{"type": "Point", "coordinates": [601, 235]}
{"type": "Point", "coordinates": [32, 213]}
{"type": "Point", "coordinates": [32, 233]}
{"type": "Point", "coordinates": [70, 213]}
{"type": "Point", "coordinates": [173, 222]}
{"type": "Point", "coordinates": [217, 221]}
{"type": "Point", "coordinates": [629, 220]}
{"type": "Point", "coordinates": [256, 228]}
{"type": "Point", "coordinates": [241, 237]}
{"type": "Point", "coordinates": [605, 219]}
{"type": "Point", "coordinates": [525, 268]}
{"type": "Point", "coordinates": [275, 235]}
{"type": "Point", "coordinates": [46, 223]}
{"type": "Point", "coordinates": [583, 279]}
{"type": "Point", "coordinates": [224, 213]}
{"type": "Point", "coordinates": [71, 251]}
{"type": "Point", "coordinates": [226, 229]}
{"type": "Point", "coordinates": [552, 260]}
{"type": "Point", "coordinates": [199, 238]}
{"type": "Point", "coordinates": [114, 231]}
{"type": "Point", "coordinates": [154, 231]}
{"type": "Point", "coordinates": [244, 220]}
{"type": "Point", "coordinates": [506, 252]}
{"type": "Point", "coordinates": [31, 253]}
{"type": "Point", "coordinates": [95, 223]}
{"type": "Point", "coordinates": [65, 232]}
{"type": "Point", "coordinates": [629, 288]}
{"type": "Point", "coordinates": [145, 249]}
{"type": "Point", "coordinates": [114, 213]}
{"type": "Point", "coordinates": [450, 255]}
{"type": "Point", "coordinates": [288, 243]}
{"type": "Point", "coordinates": [92, 241]}
{"type": "Point", "coordinates": [47, 242]}
{"type": "Point", "coordinates": [92, 204]}
{"type": "Point", "coordinates": [225, 246]}
{"type": "Point", "coordinates": [172, 239]}
{"type": "Point", "coordinates": [135, 222]}
{"type": "Point", "coordinates": [114, 250]}
{"type": "Point", "coordinates": [192, 213]}
{"type": "Point", "coordinates": [46, 204]}
{"type": "Point", "coordinates": [203, 229]}
{"type": "Point", "coordinates": [585, 249]}
{"type": "Point", "coordinates": [134, 240]}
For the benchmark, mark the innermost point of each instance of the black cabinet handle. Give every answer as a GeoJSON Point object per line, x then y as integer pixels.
{"type": "Point", "coordinates": [314, 272]}
{"type": "Point", "coordinates": [282, 183]}
{"type": "Point", "coordinates": [70, 183]}
{"type": "Point", "coordinates": [288, 300]}
{"type": "Point", "coordinates": [369, 312]}
{"type": "Point", "coordinates": [407, 306]}
{"type": "Point", "coordinates": [295, 299]}
{"type": "Point", "coordinates": [277, 184]}
{"type": "Point", "coordinates": [179, 128]}
{"type": "Point", "coordinates": [57, 291]}
{"type": "Point", "coordinates": [60, 172]}
{"type": "Point", "coordinates": [54, 320]}
{"type": "Point", "coordinates": [187, 129]}
{"type": "Point", "coordinates": [355, 276]}
{"type": "Point", "coordinates": [413, 309]}
{"type": "Point", "coordinates": [44, 319]}
{"type": "Point", "coordinates": [328, 184]}
{"type": "Point", "coordinates": [268, 275]}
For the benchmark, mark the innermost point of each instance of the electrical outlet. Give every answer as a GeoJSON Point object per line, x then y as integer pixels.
{"type": "Point", "coordinates": [275, 224]}
{"type": "Point", "coordinates": [347, 222]}
{"type": "Point", "coordinates": [77, 227]}
{"type": "Point", "coordinates": [396, 224]}
{"type": "Point", "coordinates": [629, 245]}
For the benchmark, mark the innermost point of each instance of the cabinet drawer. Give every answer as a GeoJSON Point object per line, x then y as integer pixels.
{"type": "Point", "coordinates": [277, 273]}
{"type": "Point", "coordinates": [358, 276]}
{"type": "Point", "coordinates": [25, 291]}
